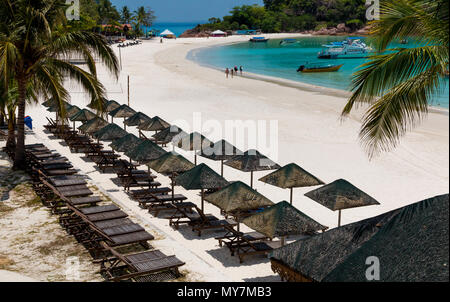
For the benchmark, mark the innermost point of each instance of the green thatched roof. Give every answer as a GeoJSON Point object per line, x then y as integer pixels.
{"type": "Point", "coordinates": [83, 115]}
{"type": "Point", "coordinates": [221, 150]}
{"type": "Point", "coordinates": [339, 195]}
{"type": "Point", "coordinates": [201, 177]}
{"type": "Point", "coordinates": [412, 247]}
{"type": "Point", "coordinates": [72, 110]}
{"type": "Point", "coordinates": [49, 103]}
{"type": "Point", "coordinates": [238, 197]}
{"type": "Point", "coordinates": [291, 176]}
{"type": "Point", "coordinates": [125, 143]}
{"type": "Point", "coordinates": [282, 219]}
{"type": "Point", "coordinates": [137, 119]}
{"type": "Point", "coordinates": [193, 142]}
{"type": "Point", "coordinates": [110, 132]}
{"type": "Point", "coordinates": [170, 162]}
{"type": "Point", "coordinates": [98, 105]}
{"type": "Point", "coordinates": [145, 152]}
{"type": "Point", "coordinates": [170, 134]}
{"type": "Point", "coordinates": [155, 124]}
{"type": "Point", "coordinates": [122, 111]}
{"type": "Point", "coordinates": [111, 105]}
{"type": "Point", "coordinates": [55, 107]}
{"type": "Point", "coordinates": [411, 243]}
{"type": "Point", "coordinates": [252, 160]}
{"type": "Point", "coordinates": [93, 125]}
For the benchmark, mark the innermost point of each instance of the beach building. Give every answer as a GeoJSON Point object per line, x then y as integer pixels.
{"type": "Point", "coordinates": [218, 33]}
{"type": "Point", "coordinates": [168, 34]}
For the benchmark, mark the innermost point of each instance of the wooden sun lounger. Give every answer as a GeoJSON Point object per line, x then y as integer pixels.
{"type": "Point", "coordinates": [256, 248]}
{"type": "Point", "coordinates": [136, 194]}
{"type": "Point", "coordinates": [233, 238]}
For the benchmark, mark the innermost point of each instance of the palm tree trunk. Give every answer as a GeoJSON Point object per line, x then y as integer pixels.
{"type": "Point", "coordinates": [11, 142]}
{"type": "Point", "coordinates": [19, 158]}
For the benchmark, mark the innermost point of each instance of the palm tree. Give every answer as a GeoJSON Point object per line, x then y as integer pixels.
{"type": "Point", "coordinates": [34, 46]}
{"type": "Point", "coordinates": [126, 15]}
{"type": "Point", "coordinates": [144, 17]}
{"type": "Point", "coordinates": [398, 83]}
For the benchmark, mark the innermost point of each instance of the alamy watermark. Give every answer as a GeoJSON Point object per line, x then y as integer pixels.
{"type": "Point", "coordinates": [373, 271]}
{"type": "Point", "coordinates": [73, 11]}
{"type": "Point", "coordinates": [373, 10]}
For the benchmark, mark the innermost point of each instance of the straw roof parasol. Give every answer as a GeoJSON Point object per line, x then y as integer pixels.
{"type": "Point", "coordinates": [281, 220]}
{"type": "Point", "coordinates": [98, 105]}
{"type": "Point", "coordinates": [125, 143]}
{"type": "Point", "coordinates": [238, 197]}
{"type": "Point", "coordinates": [72, 110]}
{"type": "Point", "coordinates": [145, 152]}
{"type": "Point", "coordinates": [339, 195]}
{"type": "Point", "coordinates": [194, 142]}
{"type": "Point", "coordinates": [93, 125]}
{"type": "Point", "coordinates": [170, 134]}
{"type": "Point", "coordinates": [83, 115]}
{"type": "Point", "coordinates": [110, 132]}
{"type": "Point", "coordinates": [111, 105]}
{"type": "Point", "coordinates": [56, 108]}
{"type": "Point", "coordinates": [137, 119]}
{"type": "Point", "coordinates": [252, 161]}
{"type": "Point", "coordinates": [419, 232]}
{"type": "Point", "coordinates": [201, 177]}
{"type": "Point", "coordinates": [221, 150]}
{"type": "Point", "coordinates": [170, 162]}
{"type": "Point", "coordinates": [291, 176]}
{"type": "Point", "coordinates": [48, 103]}
{"type": "Point", "coordinates": [122, 111]}
{"type": "Point", "coordinates": [155, 124]}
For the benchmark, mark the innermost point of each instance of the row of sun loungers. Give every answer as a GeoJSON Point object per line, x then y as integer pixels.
{"type": "Point", "coordinates": [160, 200]}
{"type": "Point", "coordinates": [102, 227]}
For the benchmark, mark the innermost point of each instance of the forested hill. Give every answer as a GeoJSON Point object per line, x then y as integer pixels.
{"type": "Point", "coordinates": [292, 16]}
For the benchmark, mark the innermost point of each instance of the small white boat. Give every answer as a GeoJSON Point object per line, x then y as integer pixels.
{"type": "Point", "coordinates": [350, 48]}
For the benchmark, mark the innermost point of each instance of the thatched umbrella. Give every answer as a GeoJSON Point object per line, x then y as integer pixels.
{"type": "Point", "coordinates": [72, 110]}
{"type": "Point", "coordinates": [201, 177]}
{"type": "Point", "coordinates": [291, 176]}
{"type": "Point", "coordinates": [110, 132]}
{"type": "Point", "coordinates": [60, 110]}
{"type": "Point", "coordinates": [155, 124]}
{"type": "Point", "coordinates": [49, 103]}
{"type": "Point", "coordinates": [281, 220]}
{"type": "Point", "coordinates": [125, 143]}
{"type": "Point", "coordinates": [194, 142]}
{"type": "Point", "coordinates": [93, 125]}
{"type": "Point", "coordinates": [99, 106]}
{"type": "Point", "coordinates": [137, 119]}
{"type": "Point", "coordinates": [123, 111]}
{"type": "Point", "coordinates": [171, 164]}
{"type": "Point", "coordinates": [83, 116]}
{"type": "Point", "coordinates": [340, 195]}
{"type": "Point", "coordinates": [170, 134]}
{"type": "Point", "coordinates": [111, 105]}
{"type": "Point", "coordinates": [238, 198]}
{"type": "Point", "coordinates": [252, 161]}
{"type": "Point", "coordinates": [145, 152]}
{"type": "Point", "coordinates": [221, 150]}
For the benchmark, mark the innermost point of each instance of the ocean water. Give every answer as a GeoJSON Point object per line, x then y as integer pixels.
{"type": "Point", "coordinates": [176, 28]}
{"type": "Point", "coordinates": [275, 60]}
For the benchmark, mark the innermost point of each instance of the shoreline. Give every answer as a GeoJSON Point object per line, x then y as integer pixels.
{"type": "Point", "coordinates": [290, 83]}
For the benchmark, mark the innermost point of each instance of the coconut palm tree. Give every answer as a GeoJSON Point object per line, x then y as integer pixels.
{"type": "Point", "coordinates": [35, 45]}
{"type": "Point", "coordinates": [398, 83]}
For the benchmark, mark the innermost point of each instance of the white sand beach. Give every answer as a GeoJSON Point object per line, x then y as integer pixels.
{"type": "Point", "coordinates": [310, 133]}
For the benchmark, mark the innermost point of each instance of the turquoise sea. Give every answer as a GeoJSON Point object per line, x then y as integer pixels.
{"type": "Point", "coordinates": [275, 60]}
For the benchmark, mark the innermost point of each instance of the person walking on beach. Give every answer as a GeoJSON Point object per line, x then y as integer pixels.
{"type": "Point", "coordinates": [235, 70]}
{"type": "Point", "coordinates": [227, 72]}
{"type": "Point", "coordinates": [232, 72]}
{"type": "Point", "coordinates": [241, 69]}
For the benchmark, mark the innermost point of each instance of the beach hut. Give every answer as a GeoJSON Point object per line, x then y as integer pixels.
{"type": "Point", "coordinates": [419, 231]}
{"type": "Point", "coordinates": [201, 178]}
{"type": "Point", "coordinates": [218, 33]}
{"type": "Point", "coordinates": [238, 199]}
{"type": "Point", "coordinates": [252, 161]}
{"type": "Point", "coordinates": [125, 143]}
{"type": "Point", "coordinates": [110, 132]}
{"type": "Point", "coordinates": [145, 152]}
{"type": "Point", "coordinates": [291, 176]}
{"type": "Point", "coordinates": [170, 134]}
{"type": "Point", "coordinates": [281, 220]}
{"type": "Point", "coordinates": [221, 150]}
{"type": "Point", "coordinates": [123, 111]}
{"type": "Point", "coordinates": [93, 125]}
{"type": "Point", "coordinates": [340, 195]}
{"type": "Point", "coordinates": [170, 164]}
{"type": "Point", "coordinates": [167, 34]}
{"type": "Point", "coordinates": [194, 142]}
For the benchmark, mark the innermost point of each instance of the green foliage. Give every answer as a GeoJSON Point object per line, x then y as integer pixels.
{"type": "Point", "coordinates": [291, 15]}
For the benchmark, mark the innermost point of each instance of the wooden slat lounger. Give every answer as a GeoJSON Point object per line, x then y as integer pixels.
{"type": "Point", "coordinates": [135, 194]}
{"type": "Point", "coordinates": [90, 200]}
{"type": "Point", "coordinates": [233, 238]}
{"type": "Point", "coordinates": [256, 248]}
{"type": "Point", "coordinates": [154, 200]}
{"type": "Point", "coordinates": [67, 180]}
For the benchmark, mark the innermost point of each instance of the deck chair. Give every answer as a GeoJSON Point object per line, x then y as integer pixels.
{"type": "Point", "coordinates": [233, 238]}
{"type": "Point", "coordinates": [247, 248]}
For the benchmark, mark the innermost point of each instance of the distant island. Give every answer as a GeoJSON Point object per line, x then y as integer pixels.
{"type": "Point", "coordinates": [327, 17]}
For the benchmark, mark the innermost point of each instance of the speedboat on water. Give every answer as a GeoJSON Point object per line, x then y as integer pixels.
{"type": "Point", "coordinates": [259, 39]}
{"type": "Point", "coordinates": [287, 42]}
{"type": "Point", "coordinates": [318, 67]}
{"type": "Point", "coordinates": [350, 48]}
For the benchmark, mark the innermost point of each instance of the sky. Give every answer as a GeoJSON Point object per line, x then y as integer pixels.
{"type": "Point", "coordinates": [186, 10]}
